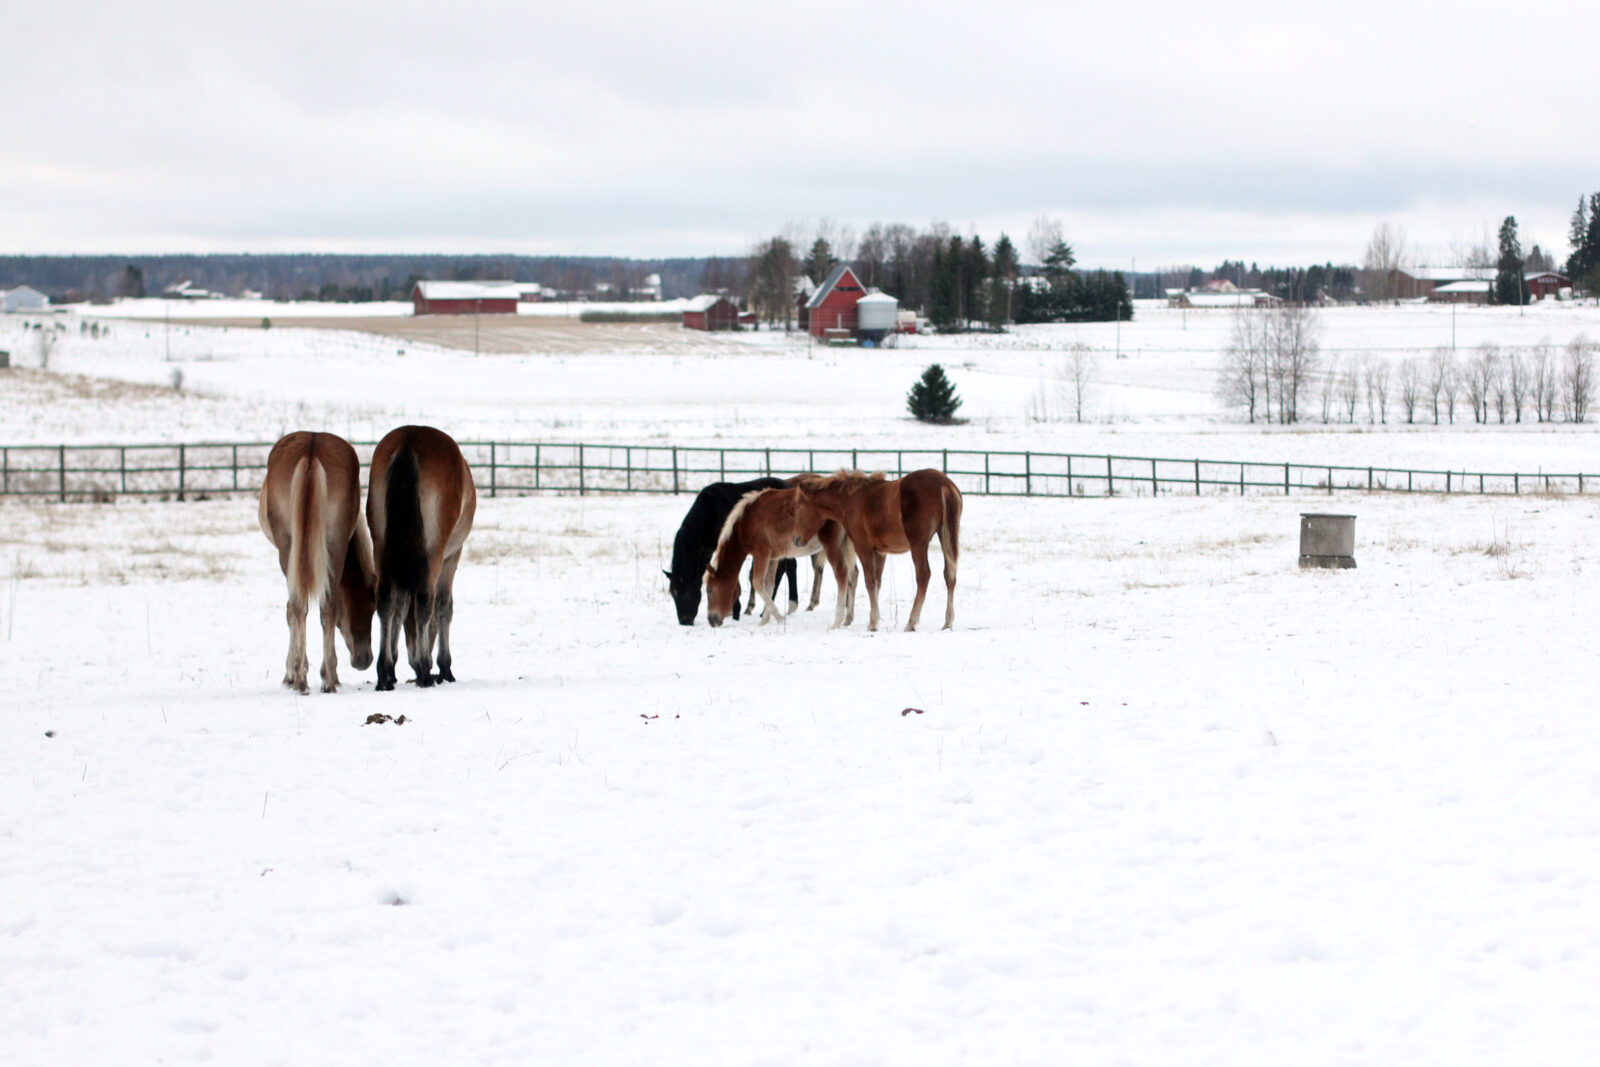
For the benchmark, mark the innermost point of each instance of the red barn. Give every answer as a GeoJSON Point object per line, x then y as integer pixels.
{"type": "Point", "coordinates": [1546, 283]}
{"type": "Point", "coordinates": [831, 311]}
{"type": "Point", "coordinates": [711, 312]}
{"type": "Point", "coordinates": [465, 298]}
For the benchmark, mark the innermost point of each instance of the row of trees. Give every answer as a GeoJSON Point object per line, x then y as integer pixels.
{"type": "Point", "coordinates": [1583, 266]}
{"type": "Point", "coordinates": [1273, 369]}
{"type": "Point", "coordinates": [958, 281]}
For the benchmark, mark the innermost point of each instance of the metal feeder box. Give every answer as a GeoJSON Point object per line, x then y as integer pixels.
{"type": "Point", "coordinates": [1328, 541]}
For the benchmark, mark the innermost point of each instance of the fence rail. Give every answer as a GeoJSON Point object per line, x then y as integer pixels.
{"type": "Point", "coordinates": [193, 471]}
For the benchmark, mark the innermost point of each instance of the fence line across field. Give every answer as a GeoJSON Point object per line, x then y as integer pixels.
{"type": "Point", "coordinates": [183, 471]}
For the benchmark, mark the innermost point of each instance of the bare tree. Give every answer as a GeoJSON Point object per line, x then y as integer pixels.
{"type": "Point", "coordinates": [772, 272]}
{"type": "Point", "coordinates": [1244, 365]}
{"type": "Point", "coordinates": [1350, 388]}
{"type": "Point", "coordinates": [1291, 334]}
{"type": "Point", "coordinates": [1411, 383]}
{"type": "Point", "coordinates": [1518, 379]}
{"type": "Point", "coordinates": [1480, 378]}
{"type": "Point", "coordinates": [1386, 251]}
{"type": "Point", "coordinates": [1043, 235]}
{"type": "Point", "coordinates": [1442, 379]}
{"type": "Point", "coordinates": [1377, 387]}
{"type": "Point", "coordinates": [1076, 375]}
{"type": "Point", "coordinates": [1330, 389]}
{"type": "Point", "coordinates": [1578, 378]}
{"type": "Point", "coordinates": [1544, 382]}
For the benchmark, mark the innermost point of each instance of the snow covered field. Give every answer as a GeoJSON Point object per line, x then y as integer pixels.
{"type": "Point", "coordinates": [1168, 799]}
{"type": "Point", "coordinates": [1164, 797]}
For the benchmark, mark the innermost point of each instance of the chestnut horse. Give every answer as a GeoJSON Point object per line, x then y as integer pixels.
{"type": "Point", "coordinates": [311, 511]}
{"type": "Point", "coordinates": [899, 515]}
{"type": "Point", "coordinates": [420, 505]}
{"type": "Point", "coordinates": [769, 525]}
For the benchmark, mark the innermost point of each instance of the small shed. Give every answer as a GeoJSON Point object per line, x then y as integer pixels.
{"type": "Point", "coordinates": [465, 298]}
{"type": "Point", "coordinates": [1546, 283]}
{"type": "Point", "coordinates": [1462, 292]}
{"type": "Point", "coordinates": [709, 311]}
{"type": "Point", "coordinates": [831, 311]}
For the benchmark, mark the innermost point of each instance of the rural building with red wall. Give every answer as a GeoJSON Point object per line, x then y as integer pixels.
{"type": "Point", "coordinates": [711, 312]}
{"type": "Point", "coordinates": [465, 298]}
{"type": "Point", "coordinates": [831, 311]}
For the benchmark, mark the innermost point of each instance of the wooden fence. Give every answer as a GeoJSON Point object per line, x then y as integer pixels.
{"type": "Point", "coordinates": [194, 471]}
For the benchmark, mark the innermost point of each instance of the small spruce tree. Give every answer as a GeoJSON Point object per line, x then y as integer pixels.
{"type": "Point", "coordinates": [933, 398]}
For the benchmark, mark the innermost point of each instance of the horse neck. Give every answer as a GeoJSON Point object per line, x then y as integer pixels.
{"type": "Point", "coordinates": [731, 552]}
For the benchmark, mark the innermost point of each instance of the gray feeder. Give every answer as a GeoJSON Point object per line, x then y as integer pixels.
{"type": "Point", "coordinates": [1327, 541]}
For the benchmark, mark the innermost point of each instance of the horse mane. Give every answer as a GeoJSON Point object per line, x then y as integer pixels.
{"type": "Point", "coordinates": [845, 480]}
{"type": "Point", "coordinates": [733, 519]}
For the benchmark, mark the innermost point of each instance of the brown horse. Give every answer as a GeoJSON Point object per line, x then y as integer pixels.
{"type": "Point", "coordinates": [311, 511]}
{"type": "Point", "coordinates": [420, 506]}
{"type": "Point", "coordinates": [900, 515]}
{"type": "Point", "coordinates": [769, 525]}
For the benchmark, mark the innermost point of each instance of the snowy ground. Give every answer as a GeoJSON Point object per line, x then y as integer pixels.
{"type": "Point", "coordinates": [655, 386]}
{"type": "Point", "coordinates": [1168, 799]}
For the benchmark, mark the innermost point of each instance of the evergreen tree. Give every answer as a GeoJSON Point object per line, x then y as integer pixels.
{"type": "Point", "coordinates": [819, 261]}
{"type": "Point", "coordinates": [1058, 261]}
{"type": "Point", "coordinates": [1003, 284]}
{"type": "Point", "coordinates": [132, 282]}
{"type": "Point", "coordinates": [933, 398]}
{"type": "Point", "coordinates": [941, 292]}
{"type": "Point", "coordinates": [974, 276]}
{"type": "Point", "coordinates": [1509, 287]}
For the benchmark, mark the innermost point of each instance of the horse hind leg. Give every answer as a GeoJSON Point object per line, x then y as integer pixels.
{"type": "Point", "coordinates": [330, 658]}
{"type": "Point", "coordinates": [949, 583]}
{"type": "Point", "coordinates": [419, 637]}
{"type": "Point", "coordinates": [443, 612]}
{"type": "Point", "coordinates": [392, 607]}
{"type": "Point", "coordinates": [816, 582]}
{"type": "Point", "coordinates": [297, 664]}
{"type": "Point", "coordinates": [919, 559]}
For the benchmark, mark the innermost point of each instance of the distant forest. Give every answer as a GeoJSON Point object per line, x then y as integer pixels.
{"type": "Point", "coordinates": [68, 279]}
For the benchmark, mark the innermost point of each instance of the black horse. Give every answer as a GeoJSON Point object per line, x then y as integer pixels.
{"type": "Point", "coordinates": [697, 540]}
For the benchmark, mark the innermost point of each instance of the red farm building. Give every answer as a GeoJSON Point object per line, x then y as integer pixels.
{"type": "Point", "coordinates": [711, 312]}
{"type": "Point", "coordinates": [831, 311]}
{"type": "Point", "coordinates": [1546, 283]}
{"type": "Point", "coordinates": [465, 298]}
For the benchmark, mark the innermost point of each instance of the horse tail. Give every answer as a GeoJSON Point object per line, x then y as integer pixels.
{"type": "Point", "coordinates": [950, 522]}
{"type": "Point", "coordinates": [404, 564]}
{"type": "Point", "coordinates": [308, 550]}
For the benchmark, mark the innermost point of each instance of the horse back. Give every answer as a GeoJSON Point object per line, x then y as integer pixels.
{"type": "Point", "coordinates": [310, 506]}
{"type": "Point", "coordinates": [420, 503]}
{"type": "Point", "coordinates": [697, 536]}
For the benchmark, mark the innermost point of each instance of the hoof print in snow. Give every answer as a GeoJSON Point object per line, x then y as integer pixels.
{"type": "Point", "coordinates": [910, 711]}
{"type": "Point", "coordinates": [378, 718]}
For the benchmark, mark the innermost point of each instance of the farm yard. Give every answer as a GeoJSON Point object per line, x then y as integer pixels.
{"type": "Point", "coordinates": [1159, 796]}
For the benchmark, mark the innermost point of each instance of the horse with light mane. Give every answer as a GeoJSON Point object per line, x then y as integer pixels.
{"type": "Point", "coordinates": [769, 525]}
{"type": "Point", "coordinates": [420, 506]}
{"type": "Point", "coordinates": [310, 510]}
{"type": "Point", "coordinates": [884, 515]}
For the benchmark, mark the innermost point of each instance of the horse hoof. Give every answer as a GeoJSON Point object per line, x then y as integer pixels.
{"type": "Point", "coordinates": [445, 675]}
{"type": "Point", "coordinates": [386, 686]}
{"type": "Point", "coordinates": [424, 681]}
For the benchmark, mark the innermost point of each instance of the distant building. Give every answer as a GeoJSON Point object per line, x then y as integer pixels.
{"type": "Point", "coordinates": [465, 298]}
{"type": "Point", "coordinates": [711, 312]}
{"type": "Point", "coordinates": [23, 298]}
{"type": "Point", "coordinates": [1229, 297]}
{"type": "Point", "coordinates": [1418, 283]}
{"type": "Point", "coordinates": [1545, 283]}
{"type": "Point", "coordinates": [1469, 291]}
{"type": "Point", "coordinates": [187, 290]}
{"type": "Point", "coordinates": [831, 311]}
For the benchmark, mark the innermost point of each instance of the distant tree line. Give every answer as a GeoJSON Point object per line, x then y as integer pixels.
{"type": "Point", "coordinates": [296, 276]}
{"type": "Point", "coordinates": [1583, 266]}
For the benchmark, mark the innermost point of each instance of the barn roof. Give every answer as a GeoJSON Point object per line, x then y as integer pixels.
{"type": "Point", "coordinates": [437, 290]}
{"type": "Point", "coordinates": [834, 277]}
{"type": "Point", "coordinates": [703, 302]}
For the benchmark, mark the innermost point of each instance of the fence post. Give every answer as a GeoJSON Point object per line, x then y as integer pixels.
{"type": "Point", "coordinates": [986, 474]}
{"type": "Point", "coordinates": [1369, 479]}
{"type": "Point", "coordinates": [1196, 477]}
{"type": "Point", "coordinates": [674, 470]}
{"type": "Point", "coordinates": [627, 461]}
{"type": "Point", "coordinates": [62, 458]}
{"type": "Point", "coordinates": [1069, 474]}
{"type": "Point", "coordinates": [493, 464]}
{"type": "Point", "coordinates": [183, 454]}
{"type": "Point", "coordinates": [122, 467]}
{"type": "Point", "coordinates": [1448, 475]}
{"type": "Point", "coordinates": [538, 464]}
{"type": "Point", "coordinates": [1155, 486]}
{"type": "Point", "coordinates": [722, 464]}
{"type": "Point", "coordinates": [855, 465]}
{"type": "Point", "coordinates": [769, 463]}
{"type": "Point", "coordinates": [1027, 474]}
{"type": "Point", "coordinates": [1330, 481]}
{"type": "Point", "coordinates": [1241, 479]}
{"type": "Point", "coordinates": [235, 468]}
{"type": "Point", "coordinates": [1285, 479]}
{"type": "Point", "coordinates": [5, 472]}
{"type": "Point", "coordinates": [1516, 485]}
{"type": "Point", "coordinates": [581, 488]}
{"type": "Point", "coordinates": [1110, 485]}
{"type": "Point", "coordinates": [944, 462]}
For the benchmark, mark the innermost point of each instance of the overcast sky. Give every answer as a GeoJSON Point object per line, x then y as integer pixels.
{"type": "Point", "coordinates": [1165, 134]}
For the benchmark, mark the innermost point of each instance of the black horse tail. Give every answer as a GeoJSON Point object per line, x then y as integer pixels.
{"type": "Point", "coordinates": [405, 552]}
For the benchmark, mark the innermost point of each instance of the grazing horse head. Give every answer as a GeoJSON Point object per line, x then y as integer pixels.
{"type": "Point", "coordinates": [685, 596]}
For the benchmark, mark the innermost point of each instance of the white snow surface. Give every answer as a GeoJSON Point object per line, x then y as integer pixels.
{"type": "Point", "coordinates": [1159, 797]}
{"type": "Point", "coordinates": [1166, 798]}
